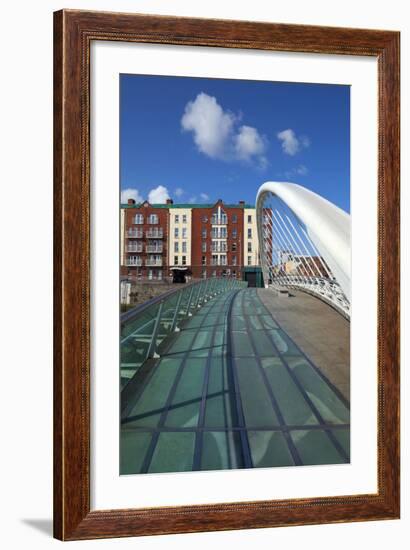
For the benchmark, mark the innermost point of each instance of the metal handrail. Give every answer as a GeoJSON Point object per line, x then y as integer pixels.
{"type": "Point", "coordinates": [167, 311]}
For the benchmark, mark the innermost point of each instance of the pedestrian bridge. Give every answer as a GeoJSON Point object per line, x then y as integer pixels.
{"type": "Point", "coordinates": [212, 380]}
{"type": "Point", "coordinates": [304, 243]}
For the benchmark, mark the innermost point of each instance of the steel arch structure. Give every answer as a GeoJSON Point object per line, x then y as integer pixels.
{"type": "Point", "coordinates": [304, 243]}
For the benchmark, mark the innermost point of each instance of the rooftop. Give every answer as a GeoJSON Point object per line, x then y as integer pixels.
{"type": "Point", "coordinates": [188, 205]}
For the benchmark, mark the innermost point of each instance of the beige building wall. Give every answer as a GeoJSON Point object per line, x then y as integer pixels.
{"type": "Point", "coordinates": [249, 223]}
{"type": "Point", "coordinates": [180, 219]}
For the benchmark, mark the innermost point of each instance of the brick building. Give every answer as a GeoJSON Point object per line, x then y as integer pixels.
{"type": "Point", "coordinates": [211, 240]}
{"type": "Point", "coordinates": [144, 240]}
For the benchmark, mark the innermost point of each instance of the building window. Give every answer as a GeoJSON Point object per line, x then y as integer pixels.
{"type": "Point", "coordinates": [249, 218]}
{"type": "Point", "coordinates": [234, 218]}
{"type": "Point", "coordinates": [214, 260]}
{"type": "Point", "coordinates": [175, 260]}
{"type": "Point", "coordinates": [183, 218]}
{"type": "Point", "coordinates": [204, 219]}
{"type": "Point", "coordinates": [139, 219]}
{"type": "Point", "coordinates": [204, 273]}
{"type": "Point", "coordinates": [203, 246]}
{"type": "Point", "coordinates": [203, 260]}
{"type": "Point", "coordinates": [233, 260]}
{"type": "Point", "coordinates": [249, 233]}
{"type": "Point", "coordinates": [176, 247]}
{"type": "Point", "coordinates": [233, 247]}
{"type": "Point", "coordinates": [249, 246]}
{"type": "Point", "coordinates": [176, 232]}
{"type": "Point", "coordinates": [183, 260]}
{"type": "Point", "coordinates": [234, 233]}
{"type": "Point", "coordinates": [184, 246]}
{"type": "Point", "coordinates": [222, 259]}
{"type": "Point", "coordinates": [249, 260]}
{"type": "Point", "coordinates": [222, 233]}
{"type": "Point", "coordinates": [176, 218]}
{"type": "Point", "coordinates": [184, 232]}
{"type": "Point", "coordinates": [203, 233]}
{"type": "Point", "coordinates": [152, 219]}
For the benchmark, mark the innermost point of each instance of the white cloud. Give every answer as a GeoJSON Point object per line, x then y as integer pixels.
{"type": "Point", "coordinates": [300, 170]}
{"type": "Point", "coordinates": [130, 194]}
{"type": "Point", "coordinates": [218, 135]}
{"type": "Point", "coordinates": [204, 196]}
{"type": "Point", "coordinates": [210, 124]}
{"type": "Point", "coordinates": [248, 143]}
{"type": "Point", "coordinates": [192, 200]}
{"type": "Point", "coordinates": [158, 195]}
{"type": "Point", "coordinates": [291, 144]}
{"type": "Point", "coordinates": [179, 192]}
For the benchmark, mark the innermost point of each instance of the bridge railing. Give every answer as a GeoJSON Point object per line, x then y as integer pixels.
{"type": "Point", "coordinates": [144, 327]}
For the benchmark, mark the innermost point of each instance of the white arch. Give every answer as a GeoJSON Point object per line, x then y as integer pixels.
{"type": "Point", "coordinates": [327, 225]}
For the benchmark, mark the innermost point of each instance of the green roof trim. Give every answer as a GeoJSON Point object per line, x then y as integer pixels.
{"type": "Point", "coordinates": [187, 205]}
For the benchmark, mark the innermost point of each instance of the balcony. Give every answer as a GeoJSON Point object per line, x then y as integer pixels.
{"type": "Point", "coordinates": [154, 234]}
{"type": "Point", "coordinates": [136, 262]}
{"type": "Point", "coordinates": [219, 234]}
{"type": "Point", "coordinates": [219, 261]}
{"type": "Point", "coordinates": [133, 248]}
{"type": "Point", "coordinates": [154, 249]}
{"type": "Point", "coordinates": [223, 220]}
{"type": "Point", "coordinates": [134, 234]}
{"type": "Point", "coordinates": [153, 262]}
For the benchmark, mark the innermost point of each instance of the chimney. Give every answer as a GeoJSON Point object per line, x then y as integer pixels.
{"type": "Point", "coordinates": [131, 201]}
{"type": "Point", "coordinates": [241, 203]}
{"type": "Point", "coordinates": [170, 201]}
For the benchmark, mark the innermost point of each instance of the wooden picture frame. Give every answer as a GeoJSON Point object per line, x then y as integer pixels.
{"type": "Point", "coordinates": [74, 32]}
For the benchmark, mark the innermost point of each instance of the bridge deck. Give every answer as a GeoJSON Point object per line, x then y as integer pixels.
{"type": "Point", "coordinates": [232, 390]}
{"type": "Point", "coordinates": [319, 331]}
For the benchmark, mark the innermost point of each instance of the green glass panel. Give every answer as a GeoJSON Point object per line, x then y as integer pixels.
{"type": "Point", "coordinates": [241, 344]}
{"type": "Point", "coordinates": [269, 449]}
{"type": "Point", "coordinates": [315, 447]}
{"type": "Point", "coordinates": [221, 451]}
{"type": "Point", "coordinates": [343, 437]}
{"type": "Point", "coordinates": [149, 406]}
{"type": "Point", "coordinates": [292, 404]}
{"type": "Point", "coordinates": [283, 343]}
{"type": "Point", "coordinates": [256, 402]}
{"type": "Point", "coordinates": [133, 447]}
{"type": "Point", "coordinates": [263, 345]}
{"type": "Point", "coordinates": [184, 411]}
{"type": "Point", "coordinates": [330, 407]}
{"type": "Point", "coordinates": [173, 452]}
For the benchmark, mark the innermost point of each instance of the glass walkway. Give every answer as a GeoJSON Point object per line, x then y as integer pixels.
{"type": "Point", "coordinates": [230, 390]}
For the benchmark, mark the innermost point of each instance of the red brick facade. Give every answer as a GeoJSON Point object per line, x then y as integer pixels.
{"type": "Point", "coordinates": [204, 257]}
{"type": "Point", "coordinates": [145, 242]}
{"type": "Point", "coordinates": [216, 240]}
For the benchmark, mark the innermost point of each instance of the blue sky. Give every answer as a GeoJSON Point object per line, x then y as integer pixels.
{"type": "Point", "coordinates": [199, 139]}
